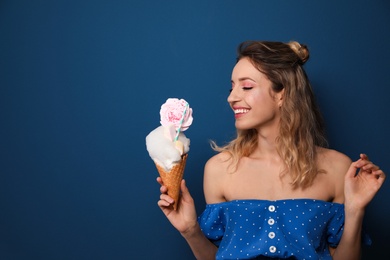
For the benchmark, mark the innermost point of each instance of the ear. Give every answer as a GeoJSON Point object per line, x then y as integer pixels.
{"type": "Point", "coordinates": [279, 97]}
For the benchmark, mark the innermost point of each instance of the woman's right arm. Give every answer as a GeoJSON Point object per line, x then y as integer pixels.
{"type": "Point", "coordinates": [184, 219]}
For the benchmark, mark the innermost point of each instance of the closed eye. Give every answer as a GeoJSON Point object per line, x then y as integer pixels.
{"type": "Point", "coordinates": [244, 88]}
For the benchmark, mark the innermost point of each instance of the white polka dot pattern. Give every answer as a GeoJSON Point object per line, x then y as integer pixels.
{"type": "Point", "coordinates": [297, 228]}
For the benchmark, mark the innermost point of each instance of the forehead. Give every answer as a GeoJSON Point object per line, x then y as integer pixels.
{"type": "Point", "coordinates": [245, 68]}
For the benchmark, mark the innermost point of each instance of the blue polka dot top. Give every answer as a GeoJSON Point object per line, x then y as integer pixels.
{"type": "Point", "coordinates": [293, 228]}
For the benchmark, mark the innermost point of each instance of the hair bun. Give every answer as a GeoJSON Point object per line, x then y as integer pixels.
{"type": "Point", "coordinates": [300, 50]}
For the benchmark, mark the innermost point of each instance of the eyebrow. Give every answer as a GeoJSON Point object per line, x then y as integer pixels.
{"type": "Point", "coordinates": [243, 79]}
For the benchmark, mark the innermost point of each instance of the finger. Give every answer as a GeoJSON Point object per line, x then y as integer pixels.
{"type": "Point", "coordinates": [351, 173]}
{"type": "Point", "coordinates": [185, 193]}
{"type": "Point", "coordinates": [159, 180]}
{"type": "Point", "coordinates": [363, 156]}
{"type": "Point", "coordinates": [183, 187]}
{"type": "Point", "coordinates": [366, 165]}
{"type": "Point", "coordinates": [363, 162]}
{"type": "Point", "coordinates": [370, 167]}
{"type": "Point", "coordinates": [379, 174]}
{"type": "Point", "coordinates": [163, 204]}
{"type": "Point", "coordinates": [167, 198]}
{"type": "Point", "coordinates": [163, 189]}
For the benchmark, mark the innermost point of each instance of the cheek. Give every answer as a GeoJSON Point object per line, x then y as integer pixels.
{"type": "Point", "coordinates": [258, 98]}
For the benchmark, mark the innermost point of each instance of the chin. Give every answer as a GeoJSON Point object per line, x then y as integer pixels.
{"type": "Point", "coordinates": [242, 127]}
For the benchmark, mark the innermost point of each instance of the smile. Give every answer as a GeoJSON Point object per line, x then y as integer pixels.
{"type": "Point", "coordinates": [240, 111]}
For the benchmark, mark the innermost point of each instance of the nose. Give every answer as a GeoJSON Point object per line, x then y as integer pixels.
{"type": "Point", "coordinates": [233, 96]}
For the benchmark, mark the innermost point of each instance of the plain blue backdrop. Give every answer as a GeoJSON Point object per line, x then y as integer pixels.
{"type": "Point", "coordinates": [81, 85]}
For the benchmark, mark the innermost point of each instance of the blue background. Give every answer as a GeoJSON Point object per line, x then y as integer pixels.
{"type": "Point", "coordinates": [81, 84]}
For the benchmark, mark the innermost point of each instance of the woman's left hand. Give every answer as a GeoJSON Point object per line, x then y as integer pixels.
{"type": "Point", "coordinates": [360, 188]}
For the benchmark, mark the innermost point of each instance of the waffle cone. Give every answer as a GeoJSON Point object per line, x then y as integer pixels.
{"type": "Point", "coordinates": [172, 178]}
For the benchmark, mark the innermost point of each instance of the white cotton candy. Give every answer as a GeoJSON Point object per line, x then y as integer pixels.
{"type": "Point", "coordinates": [162, 150]}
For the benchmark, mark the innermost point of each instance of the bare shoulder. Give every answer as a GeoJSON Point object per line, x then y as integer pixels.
{"type": "Point", "coordinates": [218, 161]}
{"type": "Point", "coordinates": [336, 165]}
{"type": "Point", "coordinates": [334, 157]}
{"type": "Point", "coordinates": [214, 175]}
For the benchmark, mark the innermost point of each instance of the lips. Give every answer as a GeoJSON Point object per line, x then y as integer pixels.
{"type": "Point", "coordinates": [240, 111]}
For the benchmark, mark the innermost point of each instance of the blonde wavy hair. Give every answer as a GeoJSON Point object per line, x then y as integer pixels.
{"type": "Point", "coordinates": [301, 124]}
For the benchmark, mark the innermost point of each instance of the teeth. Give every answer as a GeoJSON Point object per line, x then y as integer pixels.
{"type": "Point", "coordinates": [240, 111]}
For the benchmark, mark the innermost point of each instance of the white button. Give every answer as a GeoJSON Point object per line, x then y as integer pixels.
{"type": "Point", "coordinates": [271, 221]}
{"type": "Point", "coordinates": [271, 235]}
{"type": "Point", "coordinates": [271, 208]}
{"type": "Point", "coordinates": [272, 249]}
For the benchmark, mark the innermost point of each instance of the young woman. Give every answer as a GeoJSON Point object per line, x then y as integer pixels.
{"type": "Point", "coordinates": [275, 191]}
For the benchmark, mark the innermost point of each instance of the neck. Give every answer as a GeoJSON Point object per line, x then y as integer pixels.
{"type": "Point", "coordinates": [266, 147]}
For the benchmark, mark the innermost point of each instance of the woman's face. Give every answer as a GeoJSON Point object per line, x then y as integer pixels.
{"type": "Point", "coordinates": [254, 104]}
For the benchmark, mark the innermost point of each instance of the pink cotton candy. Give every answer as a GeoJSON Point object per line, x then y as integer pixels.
{"type": "Point", "coordinates": [172, 112]}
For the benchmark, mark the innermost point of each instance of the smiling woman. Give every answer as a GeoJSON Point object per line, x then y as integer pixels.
{"type": "Point", "coordinates": [287, 102]}
{"type": "Point", "coordinates": [80, 84]}
{"type": "Point", "coordinates": [276, 191]}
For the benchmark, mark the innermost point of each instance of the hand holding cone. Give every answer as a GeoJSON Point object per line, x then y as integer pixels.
{"type": "Point", "coordinates": [168, 146]}
{"type": "Point", "coordinates": [172, 179]}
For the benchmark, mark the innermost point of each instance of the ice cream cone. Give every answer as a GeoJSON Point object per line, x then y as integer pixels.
{"type": "Point", "coordinates": [172, 179]}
